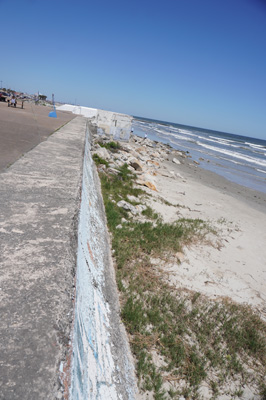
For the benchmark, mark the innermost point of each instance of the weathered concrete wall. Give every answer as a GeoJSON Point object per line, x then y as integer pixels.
{"type": "Point", "coordinates": [116, 124]}
{"type": "Point", "coordinates": [101, 366]}
{"type": "Point", "coordinates": [79, 110]}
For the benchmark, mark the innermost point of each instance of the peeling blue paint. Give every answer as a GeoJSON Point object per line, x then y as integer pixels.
{"type": "Point", "coordinates": [94, 372]}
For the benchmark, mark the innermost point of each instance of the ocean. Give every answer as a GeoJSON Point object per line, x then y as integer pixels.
{"type": "Point", "coordinates": [239, 159]}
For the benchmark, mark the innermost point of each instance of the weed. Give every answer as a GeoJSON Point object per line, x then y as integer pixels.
{"type": "Point", "coordinates": [99, 160]}
{"type": "Point", "coordinates": [112, 146]}
{"type": "Point", "coordinates": [149, 213]}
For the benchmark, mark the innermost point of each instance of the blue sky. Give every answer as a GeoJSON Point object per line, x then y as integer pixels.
{"type": "Point", "coordinates": [194, 62]}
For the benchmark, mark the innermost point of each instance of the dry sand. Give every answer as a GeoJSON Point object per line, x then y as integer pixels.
{"type": "Point", "coordinates": [235, 265]}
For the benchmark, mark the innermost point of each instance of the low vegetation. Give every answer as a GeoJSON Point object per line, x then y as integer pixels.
{"type": "Point", "coordinates": [112, 146]}
{"type": "Point", "coordinates": [182, 341]}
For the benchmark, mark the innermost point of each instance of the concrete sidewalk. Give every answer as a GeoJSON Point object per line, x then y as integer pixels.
{"type": "Point", "coordinates": [23, 129]}
{"type": "Point", "coordinates": [39, 202]}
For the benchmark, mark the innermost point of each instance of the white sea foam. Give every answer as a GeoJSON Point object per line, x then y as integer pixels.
{"type": "Point", "coordinates": [223, 139]}
{"type": "Point", "coordinates": [184, 131]}
{"type": "Point", "coordinates": [234, 154]}
{"type": "Point", "coordinates": [261, 170]}
{"type": "Point", "coordinates": [255, 145]}
{"type": "Point", "coordinates": [232, 161]}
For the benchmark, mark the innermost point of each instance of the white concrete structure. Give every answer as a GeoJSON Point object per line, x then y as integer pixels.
{"type": "Point", "coordinates": [116, 124]}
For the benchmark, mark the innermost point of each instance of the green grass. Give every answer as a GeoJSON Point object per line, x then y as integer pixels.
{"type": "Point", "coordinates": [192, 334]}
{"type": "Point", "coordinates": [112, 146]}
{"type": "Point", "coordinates": [99, 160]}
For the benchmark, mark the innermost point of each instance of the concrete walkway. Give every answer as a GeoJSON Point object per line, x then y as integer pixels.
{"type": "Point", "coordinates": [23, 129]}
{"type": "Point", "coordinates": [39, 202]}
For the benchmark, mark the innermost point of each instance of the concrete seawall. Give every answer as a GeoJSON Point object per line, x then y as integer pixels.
{"type": "Point", "coordinates": [101, 367]}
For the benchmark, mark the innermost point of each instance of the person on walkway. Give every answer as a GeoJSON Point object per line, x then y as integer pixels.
{"type": "Point", "coordinates": [13, 101]}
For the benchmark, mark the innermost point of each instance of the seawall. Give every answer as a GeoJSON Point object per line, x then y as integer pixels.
{"type": "Point", "coordinates": [101, 366]}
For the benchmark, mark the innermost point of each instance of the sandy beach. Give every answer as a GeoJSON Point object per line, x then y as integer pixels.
{"type": "Point", "coordinates": [234, 265]}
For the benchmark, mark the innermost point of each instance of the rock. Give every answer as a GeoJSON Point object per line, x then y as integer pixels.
{"type": "Point", "coordinates": [102, 152]}
{"type": "Point", "coordinates": [149, 143]}
{"type": "Point", "coordinates": [141, 207]}
{"type": "Point", "coordinates": [148, 184]}
{"type": "Point", "coordinates": [140, 149]}
{"type": "Point", "coordinates": [179, 175]}
{"type": "Point", "coordinates": [143, 158]}
{"type": "Point", "coordinates": [127, 148]}
{"type": "Point", "coordinates": [132, 198]}
{"type": "Point", "coordinates": [180, 256]}
{"type": "Point", "coordinates": [119, 226]}
{"type": "Point", "coordinates": [176, 161]}
{"type": "Point", "coordinates": [113, 171]}
{"type": "Point", "coordinates": [155, 155]}
{"type": "Point", "coordinates": [178, 153]}
{"type": "Point", "coordinates": [122, 156]}
{"type": "Point", "coordinates": [119, 163]}
{"type": "Point", "coordinates": [127, 206]}
{"type": "Point", "coordinates": [136, 165]}
{"type": "Point", "coordinates": [168, 174]}
{"type": "Point", "coordinates": [153, 163]}
{"type": "Point", "coordinates": [102, 168]}
{"type": "Point", "coordinates": [196, 162]}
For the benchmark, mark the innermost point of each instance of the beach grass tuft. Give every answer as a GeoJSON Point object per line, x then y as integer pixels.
{"type": "Point", "coordinates": [99, 160]}
{"type": "Point", "coordinates": [112, 146]}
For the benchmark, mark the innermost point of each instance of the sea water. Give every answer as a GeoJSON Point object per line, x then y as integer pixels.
{"type": "Point", "coordinates": [238, 158]}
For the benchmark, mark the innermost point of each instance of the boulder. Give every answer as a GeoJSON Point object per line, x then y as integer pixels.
{"type": "Point", "coordinates": [113, 171]}
{"type": "Point", "coordinates": [153, 163]}
{"type": "Point", "coordinates": [136, 165]}
{"type": "Point", "coordinates": [176, 161]}
{"type": "Point", "coordinates": [178, 153]}
{"type": "Point", "coordinates": [148, 184]}
{"type": "Point", "coordinates": [127, 206]}
{"type": "Point", "coordinates": [141, 207]}
{"type": "Point", "coordinates": [132, 198]}
{"type": "Point", "coordinates": [102, 152]}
